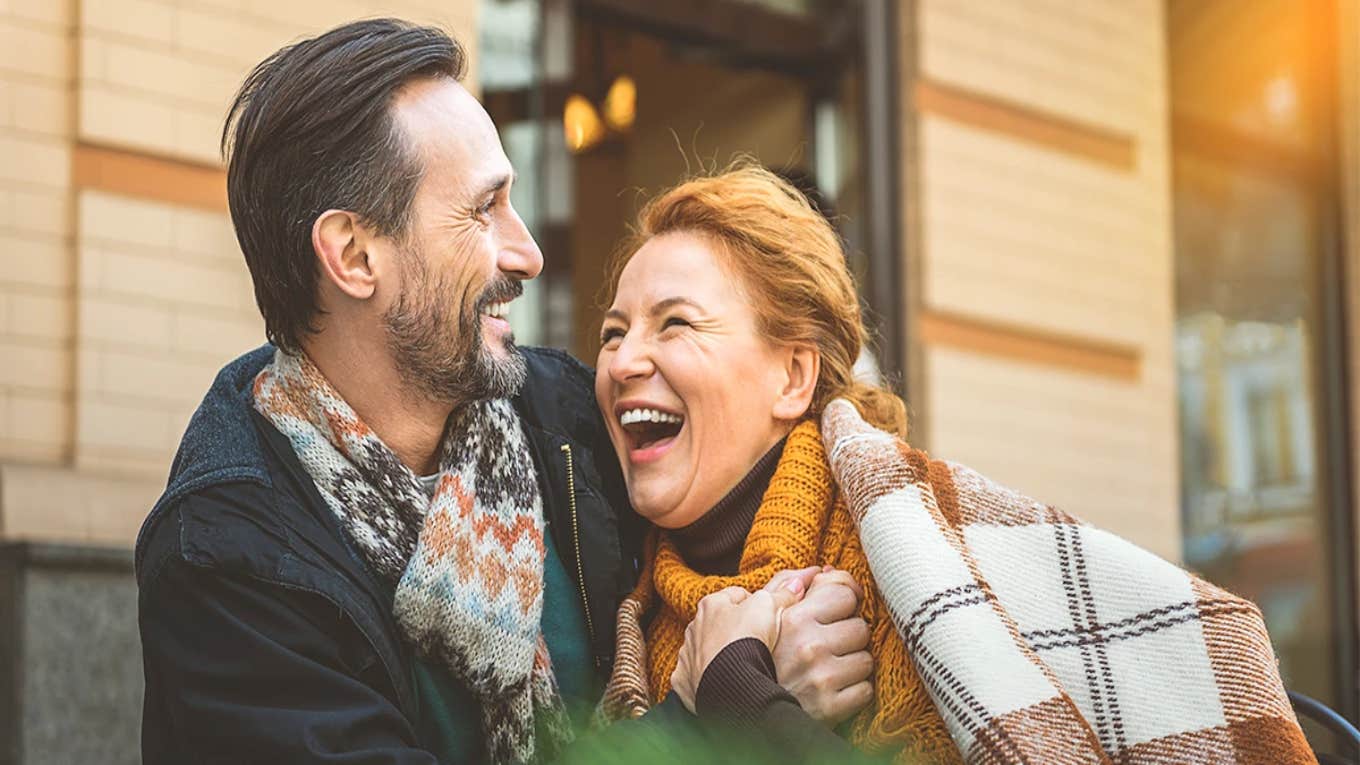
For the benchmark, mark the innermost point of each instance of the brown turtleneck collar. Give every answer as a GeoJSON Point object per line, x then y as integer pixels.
{"type": "Point", "coordinates": [712, 545]}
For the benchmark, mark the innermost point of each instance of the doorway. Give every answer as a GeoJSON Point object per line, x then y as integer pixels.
{"type": "Point", "coordinates": [1265, 484]}
{"type": "Point", "coordinates": [602, 103]}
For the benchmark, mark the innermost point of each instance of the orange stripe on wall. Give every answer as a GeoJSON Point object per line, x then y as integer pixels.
{"type": "Point", "coordinates": [1051, 131]}
{"type": "Point", "coordinates": [134, 174]}
{"type": "Point", "coordinates": [1068, 352]}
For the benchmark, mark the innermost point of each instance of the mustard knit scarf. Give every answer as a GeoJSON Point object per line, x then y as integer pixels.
{"type": "Point", "coordinates": [802, 521]}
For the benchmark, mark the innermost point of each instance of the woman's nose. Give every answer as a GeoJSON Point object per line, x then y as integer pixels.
{"type": "Point", "coordinates": [631, 361]}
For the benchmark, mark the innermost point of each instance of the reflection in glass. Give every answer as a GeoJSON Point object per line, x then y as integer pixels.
{"type": "Point", "coordinates": [1252, 109]}
{"type": "Point", "coordinates": [602, 102]}
{"type": "Point", "coordinates": [507, 38]}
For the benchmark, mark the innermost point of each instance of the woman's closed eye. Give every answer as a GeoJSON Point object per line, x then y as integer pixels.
{"type": "Point", "coordinates": [615, 334]}
{"type": "Point", "coordinates": [610, 334]}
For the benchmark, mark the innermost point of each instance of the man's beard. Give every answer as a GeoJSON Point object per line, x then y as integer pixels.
{"type": "Point", "coordinates": [448, 361]}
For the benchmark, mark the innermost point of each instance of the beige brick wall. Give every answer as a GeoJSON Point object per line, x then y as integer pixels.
{"type": "Point", "coordinates": [164, 301]}
{"type": "Point", "coordinates": [1026, 236]}
{"type": "Point", "coordinates": [115, 312]}
{"type": "Point", "coordinates": [48, 503]}
{"type": "Point", "coordinates": [158, 75]}
{"type": "Point", "coordinates": [36, 268]}
{"type": "Point", "coordinates": [164, 298]}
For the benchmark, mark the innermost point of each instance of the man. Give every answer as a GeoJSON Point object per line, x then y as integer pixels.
{"type": "Point", "coordinates": [398, 538]}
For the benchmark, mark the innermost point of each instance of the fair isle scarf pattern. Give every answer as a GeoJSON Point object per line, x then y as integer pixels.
{"type": "Point", "coordinates": [467, 565]}
{"type": "Point", "coordinates": [1043, 639]}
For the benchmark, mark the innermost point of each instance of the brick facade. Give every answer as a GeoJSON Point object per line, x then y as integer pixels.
{"type": "Point", "coordinates": [115, 311]}
{"type": "Point", "coordinates": [1020, 235]}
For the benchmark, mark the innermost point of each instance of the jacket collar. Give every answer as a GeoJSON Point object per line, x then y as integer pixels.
{"type": "Point", "coordinates": [221, 444]}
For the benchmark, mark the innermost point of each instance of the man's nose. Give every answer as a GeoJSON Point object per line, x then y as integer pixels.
{"type": "Point", "coordinates": [519, 256]}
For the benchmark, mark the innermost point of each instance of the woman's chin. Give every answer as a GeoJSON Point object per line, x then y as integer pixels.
{"type": "Point", "coordinates": [650, 509]}
{"type": "Point", "coordinates": [664, 513]}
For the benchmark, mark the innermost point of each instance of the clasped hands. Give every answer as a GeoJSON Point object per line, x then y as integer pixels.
{"type": "Point", "coordinates": [807, 619]}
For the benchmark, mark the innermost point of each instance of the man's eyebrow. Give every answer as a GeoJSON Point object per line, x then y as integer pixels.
{"type": "Point", "coordinates": [497, 183]}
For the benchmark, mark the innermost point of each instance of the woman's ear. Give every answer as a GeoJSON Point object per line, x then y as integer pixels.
{"type": "Point", "coordinates": [341, 247]}
{"type": "Point", "coordinates": [802, 366]}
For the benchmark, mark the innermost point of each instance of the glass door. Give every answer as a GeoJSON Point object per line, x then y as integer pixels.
{"type": "Point", "coordinates": [603, 102]}
{"type": "Point", "coordinates": [1264, 488]}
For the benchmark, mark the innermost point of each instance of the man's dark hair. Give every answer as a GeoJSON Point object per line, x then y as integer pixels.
{"type": "Point", "coordinates": [311, 130]}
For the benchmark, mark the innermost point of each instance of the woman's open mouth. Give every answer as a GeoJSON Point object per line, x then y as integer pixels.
{"type": "Point", "coordinates": [650, 432]}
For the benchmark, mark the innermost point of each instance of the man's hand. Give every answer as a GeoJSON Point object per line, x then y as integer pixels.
{"type": "Point", "coordinates": [821, 656]}
{"type": "Point", "coordinates": [725, 617]}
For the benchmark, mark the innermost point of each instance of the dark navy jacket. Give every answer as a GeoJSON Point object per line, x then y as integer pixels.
{"type": "Point", "coordinates": [267, 639]}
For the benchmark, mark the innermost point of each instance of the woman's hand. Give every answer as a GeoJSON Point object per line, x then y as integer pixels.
{"type": "Point", "coordinates": [821, 656]}
{"type": "Point", "coordinates": [725, 617]}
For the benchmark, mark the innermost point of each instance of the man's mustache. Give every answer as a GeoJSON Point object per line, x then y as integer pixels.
{"type": "Point", "coordinates": [501, 290]}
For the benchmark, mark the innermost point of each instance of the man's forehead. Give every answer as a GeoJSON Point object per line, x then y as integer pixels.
{"type": "Point", "coordinates": [445, 123]}
{"type": "Point", "coordinates": [436, 97]}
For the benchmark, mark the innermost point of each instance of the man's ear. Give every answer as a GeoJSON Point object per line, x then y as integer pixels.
{"type": "Point", "coordinates": [341, 247]}
{"type": "Point", "coordinates": [802, 367]}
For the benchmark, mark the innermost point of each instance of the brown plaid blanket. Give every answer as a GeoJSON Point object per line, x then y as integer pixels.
{"type": "Point", "coordinates": [1044, 640]}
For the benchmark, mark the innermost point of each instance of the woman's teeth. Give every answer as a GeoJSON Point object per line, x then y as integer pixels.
{"type": "Point", "coordinates": [497, 310]}
{"type": "Point", "coordinates": [632, 416]}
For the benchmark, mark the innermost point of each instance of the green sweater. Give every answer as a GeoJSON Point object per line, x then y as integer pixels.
{"type": "Point", "coordinates": [450, 720]}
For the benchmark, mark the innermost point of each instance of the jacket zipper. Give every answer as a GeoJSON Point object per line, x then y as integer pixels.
{"type": "Point", "coordinates": [576, 539]}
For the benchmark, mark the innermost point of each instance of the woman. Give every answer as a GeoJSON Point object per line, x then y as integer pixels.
{"type": "Point", "coordinates": [726, 371]}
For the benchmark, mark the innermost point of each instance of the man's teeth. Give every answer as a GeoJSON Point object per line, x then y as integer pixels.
{"type": "Point", "coordinates": [631, 416]}
{"type": "Point", "coordinates": [497, 310]}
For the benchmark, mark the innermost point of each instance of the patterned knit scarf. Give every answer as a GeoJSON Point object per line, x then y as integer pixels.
{"type": "Point", "coordinates": [467, 565]}
{"type": "Point", "coordinates": [802, 521]}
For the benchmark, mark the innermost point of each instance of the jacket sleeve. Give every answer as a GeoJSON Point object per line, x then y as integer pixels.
{"type": "Point", "coordinates": [239, 670]}
{"type": "Point", "coordinates": [739, 690]}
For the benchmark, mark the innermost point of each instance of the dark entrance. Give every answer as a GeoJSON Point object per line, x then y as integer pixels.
{"type": "Point", "coordinates": [602, 102]}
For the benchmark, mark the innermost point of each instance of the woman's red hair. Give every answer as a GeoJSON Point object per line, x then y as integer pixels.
{"type": "Point", "coordinates": [790, 260]}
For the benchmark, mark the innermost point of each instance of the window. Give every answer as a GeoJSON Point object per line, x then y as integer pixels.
{"type": "Point", "coordinates": [1253, 116]}
{"type": "Point", "coordinates": [603, 102]}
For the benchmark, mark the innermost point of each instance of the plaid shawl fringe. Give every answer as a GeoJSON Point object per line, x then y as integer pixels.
{"type": "Point", "coordinates": [1044, 640]}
